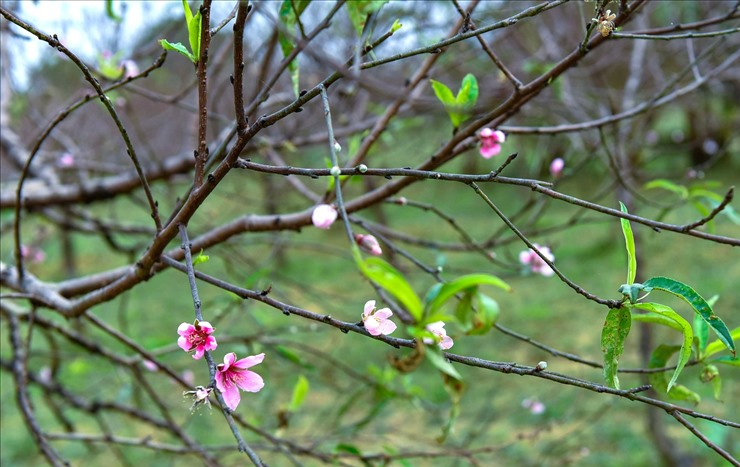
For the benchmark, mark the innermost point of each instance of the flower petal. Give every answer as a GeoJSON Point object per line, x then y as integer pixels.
{"type": "Point", "coordinates": [183, 343]}
{"type": "Point", "coordinates": [250, 361]}
{"type": "Point", "coordinates": [199, 351]}
{"type": "Point", "coordinates": [185, 328]}
{"type": "Point", "coordinates": [387, 327]}
{"type": "Point", "coordinates": [383, 314]}
{"type": "Point", "coordinates": [211, 343]}
{"type": "Point", "coordinates": [228, 360]}
{"type": "Point", "coordinates": [231, 396]}
{"type": "Point", "coordinates": [369, 307]}
{"type": "Point", "coordinates": [250, 381]}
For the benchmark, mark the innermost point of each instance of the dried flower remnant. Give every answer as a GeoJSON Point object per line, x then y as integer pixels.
{"type": "Point", "coordinates": [324, 216]}
{"type": "Point", "coordinates": [200, 397]}
{"type": "Point", "coordinates": [491, 142]}
{"type": "Point", "coordinates": [605, 23]}
{"type": "Point", "coordinates": [377, 322]}
{"type": "Point", "coordinates": [196, 337]}
{"type": "Point", "coordinates": [233, 374]}
{"type": "Point", "coordinates": [369, 244]}
{"type": "Point", "coordinates": [536, 264]}
{"type": "Point", "coordinates": [438, 329]}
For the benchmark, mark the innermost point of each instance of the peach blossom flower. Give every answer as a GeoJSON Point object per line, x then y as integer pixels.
{"type": "Point", "coordinates": [233, 375]}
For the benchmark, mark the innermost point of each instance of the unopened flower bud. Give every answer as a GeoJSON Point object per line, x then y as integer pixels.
{"type": "Point", "coordinates": [337, 146]}
{"type": "Point", "coordinates": [541, 366]}
{"type": "Point", "coordinates": [362, 168]}
{"type": "Point", "coordinates": [335, 171]}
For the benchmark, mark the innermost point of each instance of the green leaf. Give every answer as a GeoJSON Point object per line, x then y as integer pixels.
{"type": "Point", "coordinates": [718, 345]}
{"type": "Point", "coordinates": [727, 360]}
{"type": "Point", "coordinates": [349, 448]}
{"type": "Point", "coordinates": [447, 291]}
{"type": "Point", "coordinates": [359, 10]}
{"type": "Point", "coordinates": [454, 388]}
{"type": "Point", "coordinates": [680, 190]}
{"type": "Point", "coordinates": [710, 373]}
{"type": "Point", "coordinates": [110, 13]}
{"type": "Point", "coordinates": [659, 359]}
{"type": "Point", "coordinates": [701, 331]}
{"type": "Point", "coordinates": [443, 93]}
{"type": "Point", "coordinates": [688, 335]}
{"type": "Point", "coordinates": [194, 32]}
{"type": "Point", "coordinates": [299, 393]}
{"type": "Point", "coordinates": [629, 241]}
{"type": "Point", "coordinates": [201, 258]}
{"type": "Point", "coordinates": [178, 47]}
{"type": "Point", "coordinates": [396, 26]}
{"type": "Point", "coordinates": [437, 358]}
{"type": "Point", "coordinates": [468, 94]}
{"type": "Point", "coordinates": [287, 14]}
{"type": "Point", "coordinates": [615, 331]}
{"type": "Point", "coordinates": [486, 316]}
{"type": "Point", "coordinates": [654, 318]}
{"type": "Point", "coordinates": [700, 305]}
{"type": "Point", "coordinates": [390, 279]}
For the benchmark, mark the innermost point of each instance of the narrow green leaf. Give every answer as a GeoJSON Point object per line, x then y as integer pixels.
{"type": "Point", "coordinates": [299, 393]}
{"type": "Point", "coordinates": [700, 305]}
{"type": "Point", "coordinates": [390, 279]}
{"type": "Point", "coordinates": [654, 318]}
{"type": "Point", "coordinates": [188, 12]}
{"type": "Point", "coordinates": [629, 240]}
{"type": "Point", "coordinates": [688, 335]}
{"type": "Point", "coordinates": [680, 190]}
{"type": "Point", "coordinates": [287, 15]}
{"type": "Point", "coordinates": [359, 10]}
{"type": "Point", "coordinates": [659, 359]}
{"type": "Point", "coordinates": [194, 31]}
{"type": "Point", "coordinates": [718, 345]}
{"type": "Point", "coordinates": [454, 388]}
{"type": "Point", "coordinates": [396, 26]}
{"type": "Point", "coordinates": [437, 358]}
{"type": "Point", "coordinates": [727, 360]}
{"type": "Point", "coordinates": [349, 448]}
{"type": "Point", "coordinates": [450, 289]}
{"type": "Point", "coordinates": [178, 47]}
{"type": "Point", "coordinates": [701, 331]}
{"type": "Point", "coordinates": [615, 331]}
{"type": "Point", "coordinates": [110, 13]}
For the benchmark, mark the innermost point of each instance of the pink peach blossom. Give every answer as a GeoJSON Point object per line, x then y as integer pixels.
{"type": "Point", "coordinates": [233, 375]}
{"type": "Point", "coordinates": [324, 216]}
{"type": "Point", "coordinates": [491, 142]}
{"type": "Point", "coordinates": [377, 322]}
{"type": "Point", "coordinates": [537, 264]}
{"type": "Point", "coordinates": [438, 329]}
{"type": "Point", "coordinates": [196, 337]}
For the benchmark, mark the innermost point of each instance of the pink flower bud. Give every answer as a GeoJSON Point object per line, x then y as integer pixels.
{"type": "Point", "coordinates": [66, 160]}
{"type": "Point", "coordinates": [369, 244]}
{"type": "Point", "coordinates": [324, 216]}
{"type": "Point", "coordinates": [130, 68]}
{"type": "Point", "coordinates": [556, 167]}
